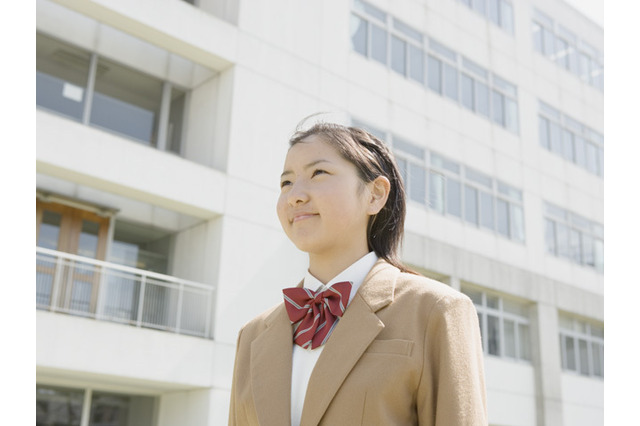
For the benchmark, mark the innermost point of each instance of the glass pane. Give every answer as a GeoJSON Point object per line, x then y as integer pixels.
{"type": "Point", "coordinates": [109, 410]}
{"type": "Point", "coordinates": [478, 177]}
{"type": "Point", "coordinates": [515, 308]}
{"type": "Point", "coordinates": [563, 240]}
{"type": "Point", "coordinates": [580, 151]}
{"type": "Point", "coordinates": [543, 132]}
{"type": "Point", "coordinates": [466, 86]}
{"type": "Point", "coordinates": [402, 168]}
{"type": "Point", "coordinates": [408, 147]}
{"type": "Point", "coordinates": [434, 77]}
{"type": "Point", "coordinates": [454, 205]}
{"type": "Point", "coordinates": [575, 245]}
{"type": "Point", "coordinates": [142, 247]}
{"type": "Point", "coordinates": [567, 139]}
{"type": "Point", "coordinates": [592, 158]}
{"type": "Point", "coordinates": [565, 323]}
{"type": "Point", "coordinates": [584, 357]}
{"type": "Point", "coordinates": [417, 188]}
{"type": "Point", "coordinates": [479, 6]}
{"type": "Point", "coordinates": [359, 34]}
{"type": "Point", "coordinates": [88, 242]}
{"type": "Point", "coordinates": [486, 210]}
{"type": "Point", "coordinates": [570, 353]}
{"type": "Point", "coordinates": [600, 162]}
{"type": "Point", "coordinates": [550, 237]}
{"type": "Point", "coordinates": [562, 55]}
{"type": "Point", "coordinates": [482, 98]}
{"type": "Point", "coordinates": [450, 82]}
{"type": "Point", "coordinates": [509, 338]}
{"type": "Point", "coordinates": [511, 116]}
{"type": "Point", "coordinates": [474, 295]}
{"type": "Point", "coordinates": [524, 342]}
{"type": "Point", "coordinates": [81, 292]}
{"type": "Point", "coordinates": [49, 231]}
{"type": "Point", "coordinates": [436, 192]}
{"type": "Point", "coordinates": [471, 205]}
{"type": "Point", "coordinates": [44, 283]}
{"type": "Point", "coordinates": [549, 44]}
{"type": "Point", "coordinates": [503, 217]}
{"type": "Point", "coordinates": [378, 44]}
{"type": "Point", "coordinates": [493, 330]}
{"type": "Point", "coordinates": [493, 302]}
{"type": "Point", "coordinates": [506, 16]}
{"type": "Point", "coordinates": [587, 250]}
{"type": "Point", "coordinates": [127, 102]}
{"type": "Point", "coordinates": [536, 33]}
{"type": "Point", "coordinates": [494, 12]}
{"type": "Point", "coordinates": [370, 10]}
{"type": "Point", "coordinates": [398, 55]}
{"type": "Point", "coordinates": [176, 116]}
{"type": "Point", "coordinates": [58, 406]}
{"type": "Point", "coordinates": [555, 138]}
{"type": "Point", "coordinates": [597, 352]}
{"type": "Point", "coordinates": [498, 108]}
{"type": "Point", "coordinates": [416, 63]}
{"type": "Point", "coordinates": [62, 72]}
{"type": "Point", "coordinates": [517, 223]}
{"type": "Point", "coordinates": [598, 254]}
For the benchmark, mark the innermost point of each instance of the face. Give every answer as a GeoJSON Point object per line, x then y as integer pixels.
{"type": "Point", "coordinates": [323, 205]}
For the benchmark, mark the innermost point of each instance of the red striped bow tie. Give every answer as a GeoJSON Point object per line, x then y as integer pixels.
{"type": "Point", "coordinates": [315, 313]}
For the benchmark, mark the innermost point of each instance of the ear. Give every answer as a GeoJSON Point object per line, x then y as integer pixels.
{"type": "Point", "coordinates": [379, 190]}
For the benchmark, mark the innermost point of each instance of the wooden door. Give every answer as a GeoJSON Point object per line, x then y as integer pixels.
{"type": "Point", "coordinates": [76, 231]}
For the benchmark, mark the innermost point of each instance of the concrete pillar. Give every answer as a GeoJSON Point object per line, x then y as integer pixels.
{"type": "Point", "coordinates": [547, 363]}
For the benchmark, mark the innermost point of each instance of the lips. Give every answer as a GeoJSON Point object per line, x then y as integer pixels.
{"type": "Point", "coordinates": [302, 216]}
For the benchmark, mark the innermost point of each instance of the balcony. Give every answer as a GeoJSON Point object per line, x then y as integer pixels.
{"type": "Point", "coordinates": [86, 287]}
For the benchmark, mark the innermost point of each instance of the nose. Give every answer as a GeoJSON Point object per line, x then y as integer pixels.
{"type": "Point", "coordinates": [297, 194]}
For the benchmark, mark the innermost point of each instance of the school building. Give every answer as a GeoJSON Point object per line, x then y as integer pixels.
{"type": "Point", "coordinates": [162, 127]}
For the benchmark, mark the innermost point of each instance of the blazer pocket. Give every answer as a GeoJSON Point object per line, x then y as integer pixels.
{"type": "Point", "coordinates": [391, 347]}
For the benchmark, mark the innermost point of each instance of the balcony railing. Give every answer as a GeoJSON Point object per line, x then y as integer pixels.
{"type": "Point", "coordinates": [107, 291]}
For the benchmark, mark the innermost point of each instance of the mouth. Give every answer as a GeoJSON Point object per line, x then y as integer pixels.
{"type": "Point", "coordinates": [301, 217]}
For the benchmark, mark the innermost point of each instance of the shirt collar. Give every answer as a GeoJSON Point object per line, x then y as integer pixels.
{"type": "Point", "coordinates": [356, 273]}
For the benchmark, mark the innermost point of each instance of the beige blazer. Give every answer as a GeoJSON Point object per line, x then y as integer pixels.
{"type": "Point", "coordinates": [406, 352]}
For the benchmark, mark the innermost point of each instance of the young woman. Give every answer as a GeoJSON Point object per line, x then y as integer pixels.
{"type": "Point", "coordinates": [362, 340]}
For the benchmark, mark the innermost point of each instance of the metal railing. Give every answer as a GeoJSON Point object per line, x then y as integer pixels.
{"type": "Point", "coordinates": [107, 291]}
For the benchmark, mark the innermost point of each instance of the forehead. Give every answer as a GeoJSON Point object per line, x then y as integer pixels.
{"type": "Point", "coordinates": [312, 148]}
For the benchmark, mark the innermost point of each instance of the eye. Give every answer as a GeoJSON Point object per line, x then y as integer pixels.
{"type": "Point", "coordinates": [285, 183]}
{"type": "Point", "coordinates": [318, 172]}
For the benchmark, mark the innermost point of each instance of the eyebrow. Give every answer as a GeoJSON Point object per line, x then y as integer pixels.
{"type": "Point", "coordinates": [313, 163]}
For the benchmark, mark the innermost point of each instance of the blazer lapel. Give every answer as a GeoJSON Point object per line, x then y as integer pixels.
{"type": "Point", "coordinates": [354, 333]}
{"type": "Point", "coordinates": [271, 354]}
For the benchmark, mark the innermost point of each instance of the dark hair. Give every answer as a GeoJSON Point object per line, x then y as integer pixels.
{"type": "Point", "coordinates": [372, 158]}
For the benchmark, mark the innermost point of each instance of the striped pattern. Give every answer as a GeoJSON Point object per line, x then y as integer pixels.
{"type": "Point", "coordinates": [315, 314]}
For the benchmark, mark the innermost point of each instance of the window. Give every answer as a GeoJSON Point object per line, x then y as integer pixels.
{"type": "Point", "coordinates": [563, 47]}
{"type": "Point", "coordinates": [452, 189]}
{"type": "Point", "coordinates": [67, 406]}
{"type": "Point", "coordinates": [499, 12]}
{"type": "Point", "coordinates": [570, 139]}
{"type": "Point", "coordinates": [464, 81]}
{"type": "Point", "coordinates": [581, 346]}
{"type": "Point", "coordinates": [387, 40]}
{"type": "Point", "coordinates": [504, 324]}
{"type": "Point", "coordinates": [573, 237]}
{"type": "Point", "coordinates": [409, 52]}
{"type": "Point", "coordinates": [100, 92]}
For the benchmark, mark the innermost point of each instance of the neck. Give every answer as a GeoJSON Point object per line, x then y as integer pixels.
{"type": "Point", "coordinates": [324, 267]}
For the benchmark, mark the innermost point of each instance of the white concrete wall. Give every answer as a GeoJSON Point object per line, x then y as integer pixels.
{"type": "Point", "coordinates": [583, 400]}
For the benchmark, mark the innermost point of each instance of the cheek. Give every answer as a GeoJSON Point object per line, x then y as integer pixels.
{"type": "Point", "coordinates": [281, 210]}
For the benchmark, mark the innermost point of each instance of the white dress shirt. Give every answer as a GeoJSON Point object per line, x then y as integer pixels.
{"type": "Point", "coordinates": [304, 360]}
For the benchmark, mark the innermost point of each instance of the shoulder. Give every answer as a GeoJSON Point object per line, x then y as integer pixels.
{"type": "Point", "coordinates": [432, 295]}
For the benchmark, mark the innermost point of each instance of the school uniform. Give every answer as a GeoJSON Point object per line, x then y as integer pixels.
{"type": "Point", "coordinates": [407, 351]}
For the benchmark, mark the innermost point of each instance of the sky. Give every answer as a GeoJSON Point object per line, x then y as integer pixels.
{"type": "Point", "coordinates": [593, 9]}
